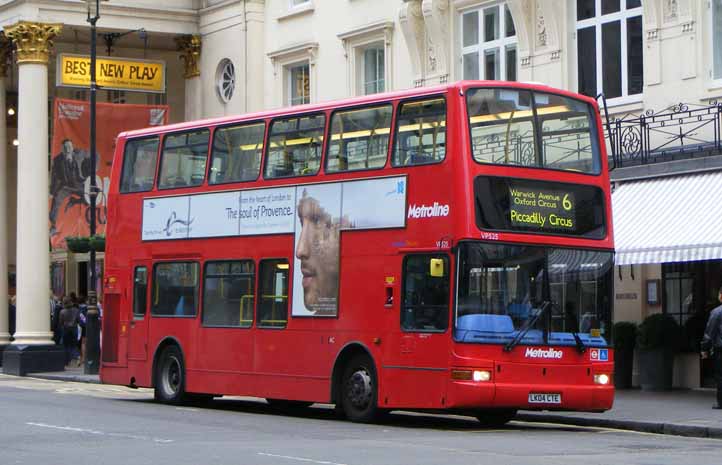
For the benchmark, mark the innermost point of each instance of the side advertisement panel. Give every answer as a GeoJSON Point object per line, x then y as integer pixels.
{"type": "Point", "coordinates": [315, 213]}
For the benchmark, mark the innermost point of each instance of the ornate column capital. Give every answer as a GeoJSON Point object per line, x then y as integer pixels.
{"type": "Point", "coordinates": [190, 48]}
{"type": "Point", "coordinates": [33, 40]}
{"type": "Point", "coordinates": [6, 50]}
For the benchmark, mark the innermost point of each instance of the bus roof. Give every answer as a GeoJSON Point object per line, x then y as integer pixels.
{"type": "Point", "coordinates": [354, 101]}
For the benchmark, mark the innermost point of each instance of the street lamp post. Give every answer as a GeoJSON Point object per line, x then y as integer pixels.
{"type": "Point", "coordinates": [92, 344]}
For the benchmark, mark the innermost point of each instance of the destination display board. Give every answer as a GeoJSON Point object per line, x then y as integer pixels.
{"type": "Point", "coordinates": [507, 204]}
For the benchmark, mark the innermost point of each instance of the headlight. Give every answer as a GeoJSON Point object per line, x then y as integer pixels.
{"type": "Point", "coordinates": [602, 379]}
{"type": "Point", "coordinates": [482, 375]}
{"type": "Point", "coordinates": [469, 375]}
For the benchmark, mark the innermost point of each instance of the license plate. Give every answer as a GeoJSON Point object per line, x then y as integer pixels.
{"type": "Point", "coordinates": [539, 398]}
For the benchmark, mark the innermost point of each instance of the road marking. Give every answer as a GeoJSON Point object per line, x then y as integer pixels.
{"type": "Point", "coordinates": [187, 409]}
{"type": "Point", "coordinates": [99, 433]}
{"type": "Point", "coordinates": [299, 459]}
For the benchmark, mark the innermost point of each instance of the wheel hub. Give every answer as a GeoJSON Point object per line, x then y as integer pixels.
{"type": "Point", "coordinates": [359, 389]}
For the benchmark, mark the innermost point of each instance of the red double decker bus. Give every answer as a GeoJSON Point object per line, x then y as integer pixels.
{"type": "Point", "coordinates": [445, 248]}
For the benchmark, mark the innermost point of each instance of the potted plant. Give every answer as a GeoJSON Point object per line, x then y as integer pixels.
{"type": "Point", "coordinates": [97, 242]}
{"type": "Point", "coordinates": [658, 339]}
{"type": "Point", "coordinates": [625, 335]}
{"type": "Point", "coordinates": [78, 244]}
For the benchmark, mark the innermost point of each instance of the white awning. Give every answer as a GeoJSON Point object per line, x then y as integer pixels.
{"type": "Point", "coordinates": [670, 219]}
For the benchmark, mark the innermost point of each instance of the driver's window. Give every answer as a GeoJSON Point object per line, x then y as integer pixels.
{"type": "Point", "coordinates": [425, 304]}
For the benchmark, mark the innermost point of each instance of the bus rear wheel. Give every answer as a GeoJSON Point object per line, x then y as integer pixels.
{"type": "Point", "coordinates": [359, 390]}
{"type": "Point", "coordinates": [170, 377]}
{"type": "Point", "coordinates": [495, 417]}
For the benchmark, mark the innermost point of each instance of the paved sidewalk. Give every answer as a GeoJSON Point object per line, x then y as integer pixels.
{"type": "Point", "coordinates": [679, 412]}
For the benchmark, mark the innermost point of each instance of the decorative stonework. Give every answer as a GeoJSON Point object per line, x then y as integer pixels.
{"type": "Point", "coordinates": [541, 29]}
{"type": "Point", "coordinates": [190, 48]}
{"type": "Point", "coordinates": [33, 40]}
{"type": "Point", "coordinates": [411, 20]}
{"type": "Point", "coordinates": [688, 27]}
{"type": "Point", "coordinates": [6, 50]}
{"type": "Point", "coordinates": [653, 34]}
{"type": "Point", "coordinates": [436, 20]}
{"type": "Point", "coordinates": [671, 10]}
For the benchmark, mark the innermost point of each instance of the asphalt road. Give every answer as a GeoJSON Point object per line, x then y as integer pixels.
{"type": "Point", "coordinates": [52, 422]}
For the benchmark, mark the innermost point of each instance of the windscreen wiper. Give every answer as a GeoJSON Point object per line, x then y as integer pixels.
{"type": "Point", "coordinates": [581, 348]}
{"type": "Point", "coordinates": [527, 326]}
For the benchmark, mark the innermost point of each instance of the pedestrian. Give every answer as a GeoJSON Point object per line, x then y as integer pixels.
{"type": "Point", "coordinates": [712, 345]}
{"type": "Point", "coordinates": [82, 318]}
{"type": "Point", "coordinates": [68, 324]}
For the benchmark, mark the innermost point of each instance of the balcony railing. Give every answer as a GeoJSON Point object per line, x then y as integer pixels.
{"type": "Point", "coordinates": [681, 131]}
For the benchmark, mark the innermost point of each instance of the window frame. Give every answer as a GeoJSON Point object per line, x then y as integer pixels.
{"type": "Point", "coordinates": [197, 289]}
{"type": "Point", "coordinates": [289, 279]}
{"type": "Point", "coordinates": [237, 124]}
{"type": "Point", "coordinates": [597, 22]}
{"type": "Point", "coordinates": [395, 123]}
{"type": "Point", "coordinates": [161, 149]}
{"type": "Point", "coordinates": [503, 43]}
{"type": "Point", "coordinates": [140, 316]}
{"type": "Point", "coordinates": [203, 292]}
{"type": "Point", "coordinates": [714, 81]}
{"type": "Point", "coordinates": [402, 302]}
{"type": "Point", "coordinates": [267, 142]}
{"type": "Point", "coordinates": [377, 46]}
{"type": "Point", "coordinates": [392, 104]}
{"type": "Point", "coordinates": [594, 135]}
{"type": "Point", "coordinates": [288, 84]}
{"type": "Point", "coordinates": [124, 165]}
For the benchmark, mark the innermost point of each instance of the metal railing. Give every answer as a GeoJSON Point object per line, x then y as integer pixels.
{"type": "Point", "coordinates": [682, 131]}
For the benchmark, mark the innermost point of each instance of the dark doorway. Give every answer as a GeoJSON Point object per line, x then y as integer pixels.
{"type": "Point", "coordinates": [83, 278]}
{"type": "Point", "coordinates": [690, 294]}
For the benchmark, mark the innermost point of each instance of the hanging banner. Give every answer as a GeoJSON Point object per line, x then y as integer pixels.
{"type": "Point", "coordinates": [111, 73]}
{"type": "Point", "coordinates": [70, 166]}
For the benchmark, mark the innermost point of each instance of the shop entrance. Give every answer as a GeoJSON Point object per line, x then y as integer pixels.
{"type": "Point", "coordinates": [690, 294]}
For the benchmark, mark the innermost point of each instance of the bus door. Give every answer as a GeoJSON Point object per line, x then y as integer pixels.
{"type": "Point", "coordinates": [421, 348]}
{"type": "Point", "coordinates": [138, 325]}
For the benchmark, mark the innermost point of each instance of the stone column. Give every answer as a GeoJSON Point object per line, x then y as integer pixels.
{"type": "Point", "coordinates": [190, 48]}
{"type": "Point", "coordinates": [33, 349]}
{"type": "Point", "coordinates": [5, 53]}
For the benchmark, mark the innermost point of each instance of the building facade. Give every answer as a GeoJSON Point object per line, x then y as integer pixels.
{"type": "Point", "coordinates": [225, 57]}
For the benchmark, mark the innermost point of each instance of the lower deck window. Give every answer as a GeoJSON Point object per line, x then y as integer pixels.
{"type": "Point", "coordinates": [228, 297]}
{"type": "Point", "coordinates": [273, 293]}
{"type": "Point", "coordinates": [425, 305]}
{"type": "Point", "coordinates": [175, 289]}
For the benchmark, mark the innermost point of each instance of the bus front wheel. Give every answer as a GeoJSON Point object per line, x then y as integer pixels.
{"type": "Point", "coordinates": [170, 377]}
{"type": "Point", "coordinates": [359, 390]}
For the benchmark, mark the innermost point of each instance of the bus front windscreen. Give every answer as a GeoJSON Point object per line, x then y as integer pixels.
{"type": "Point", "coordinates": [502, 288]}
{"type": "Point", "coordinates": [532, 129]}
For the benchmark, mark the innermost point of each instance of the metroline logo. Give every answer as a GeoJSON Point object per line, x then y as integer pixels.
{"type": "Point", "coordinates": [542, 353]}
{"type": "Point", "coordinates": [428, 211]}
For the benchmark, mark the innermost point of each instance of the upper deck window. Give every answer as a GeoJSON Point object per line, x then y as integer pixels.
{"type": "Point", "coordinates": [521, 128]}
{"type": "Point", "coordinates": [183, 162]}
{"type": "Point", "coordinates": [420, 132]}
{"type": "Point", "coordinates": [294, 147]}
{"type": "Point", "coordinates": [359, 139]}
{"type": "Point", "coordinates": [139, 162]}
{"type": "Point", "coordinates": [237, 153]}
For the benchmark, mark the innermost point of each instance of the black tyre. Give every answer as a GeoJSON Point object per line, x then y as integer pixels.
{"type": "Point", "coordinates": [359, 390]}
{"type": "Point", "coordinates": [495, 417]}
{"type": "Point", "coordinates": [170, 377]}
